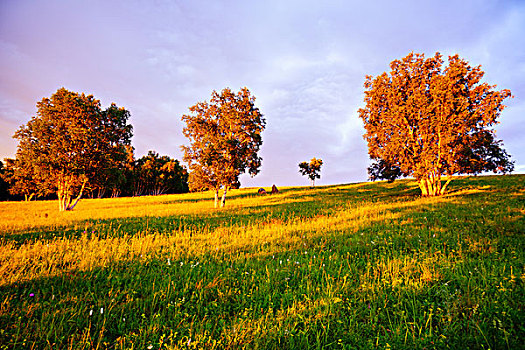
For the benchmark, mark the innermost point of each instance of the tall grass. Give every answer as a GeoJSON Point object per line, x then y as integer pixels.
{"type": "Point", "coordinates": [368, 265]}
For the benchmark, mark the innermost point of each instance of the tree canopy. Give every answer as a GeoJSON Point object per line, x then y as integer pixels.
{"type": "Point", "coordinates": [381, 170]}
{"type": "Point", "coordinates": [157, 174]}
{"type": "Point", "coordinates": [71, 143]}
{"type": "Point", "coordinates": [428, 121]}
{"type": "Point", "coordinates": [4, 184]}
{"type": "Point", "coordinates": [312, 169]}
{"type": "Point", "coordinates": [225, 138]}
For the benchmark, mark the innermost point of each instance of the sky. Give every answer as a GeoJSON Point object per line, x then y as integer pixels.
{"type": "Point", "coordinates": [305, 62]}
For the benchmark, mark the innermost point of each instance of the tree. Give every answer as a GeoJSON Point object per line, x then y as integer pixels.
{"type": "Point", "coordinates": [111, 177]}
{"type": "Point", "coordinates": [312, 169]}
{"type": "Point", "coordinates": [381, 170]}
{"type": "Point", "coordinates": [4, 185]}
{"type": "Point", "coordinates": [161, 174]}
{"type": "Point", "coordinates": [19, 175]}
{"type": "Point", "coordinates": [69, 144]}
{"type": "Point", "coordinates": [429, 121]}
{"type": "Point", "coordinates": [225, 138]}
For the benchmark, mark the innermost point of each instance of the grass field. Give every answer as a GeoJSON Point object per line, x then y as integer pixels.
{"type": "Point", "coordinates": [370, 265]}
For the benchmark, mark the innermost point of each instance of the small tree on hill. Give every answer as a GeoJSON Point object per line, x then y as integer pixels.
{"type": "Point", "coordinates": [427, 121]}
{"type": "Point", "coordinates": [69, 144]}
{"type": "Point", "coordinates": [225, 138]}
{"type": "Point", "coordinates": [312, 169]}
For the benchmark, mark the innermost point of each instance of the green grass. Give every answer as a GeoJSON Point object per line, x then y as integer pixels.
{"type": "Point", "coordinates": [339, 267]}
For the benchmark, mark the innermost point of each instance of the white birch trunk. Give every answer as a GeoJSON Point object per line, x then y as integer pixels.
{"type": "Point", "coordinates": [64, 196]}
{"type": "Point", "coordinates": [79, 195]}
{"type": "Point", "coordinates": [431, 185]}
{"type": "Point", "coordinates": [223, 201]}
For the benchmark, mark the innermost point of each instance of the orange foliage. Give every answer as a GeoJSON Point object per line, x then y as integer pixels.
{"type": "Point", "coordinates": [432, 121]}
{"type": "Point", "coordinates": [225, 138]}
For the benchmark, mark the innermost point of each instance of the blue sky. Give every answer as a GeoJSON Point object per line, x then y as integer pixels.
{"type": "Point", "coordinates": [305, 61]}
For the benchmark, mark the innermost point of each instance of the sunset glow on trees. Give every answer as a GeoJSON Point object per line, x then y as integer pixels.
{"type": "Point", "coordinates": [312, 169]}
{"type": "Point", "coordinates": [69, 144]}
{"type": "Point", "coordinates": [225, 138]}
{"type": "Point", "coordinates": [427, 120]}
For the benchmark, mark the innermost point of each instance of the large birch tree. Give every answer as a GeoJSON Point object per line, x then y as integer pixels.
{"type": "Point", "coordinates": [69, 143]}
{"type": "Point", "coordinates": [225, 138]}
{"type": "Point", "coordinates": [431, 121]}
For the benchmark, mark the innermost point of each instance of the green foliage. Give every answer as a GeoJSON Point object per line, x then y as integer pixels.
{"type": "Point", "coordinates": [4, 185]}
{"type": "Point", "coordinates": [381, 170]}
{"type": "Point", "coordinates": [19, 176]}
{"type": "Point", "coordinates": [439, 273]}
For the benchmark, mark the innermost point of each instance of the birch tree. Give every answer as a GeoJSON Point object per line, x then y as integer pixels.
{"type": "Point", "coordinates": [70, 142]}
{"type": "Point", "coordinates": [429, 121]}
{"type": "Point", "coordinates": [312, 169]}
{"type": "Point", "coordinates": [161, 174]}
{"type": "Point", "coordinates": [225, 138]}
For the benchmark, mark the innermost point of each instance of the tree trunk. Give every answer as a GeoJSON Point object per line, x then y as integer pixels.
{"type": "Point", "coordinates": [449, 178]}
{"type": "Point", "coordinates": [67, 201]}
{"type": "Point", "coordinates": [64, 195]}
{"type": "Point", "coordinates": [79, 195]}
{"type": "Point", "coordinates": [115, 193]}
{"type": "Point", "coordinates": [423, 187]}
{"type": "Point", "coordinates": [216, 197]}
{"type": "Point", "coordinates": [223, 201]}
{"type": "Point", "coordinates": [60, 195]}
{"type": "Point", "coordinates": [430, 185]}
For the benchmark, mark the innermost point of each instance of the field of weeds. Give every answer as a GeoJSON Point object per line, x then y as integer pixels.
{"type": "Point", "coordinates": [369, 265]}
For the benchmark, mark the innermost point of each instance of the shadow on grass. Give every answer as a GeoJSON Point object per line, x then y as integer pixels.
{"type": "Point", "coordinates": [141, 301]}
{"type": "Point", "coordinates": [289, 204]}
{"type": "Point", "coordinates": [278, 296]}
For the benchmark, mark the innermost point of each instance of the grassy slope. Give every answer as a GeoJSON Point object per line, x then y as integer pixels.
{"type": "Point", "coordinates": [349, 266]}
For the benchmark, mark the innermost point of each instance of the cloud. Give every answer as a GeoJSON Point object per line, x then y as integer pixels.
{"type": "Point", "coordinates": [305, 61]}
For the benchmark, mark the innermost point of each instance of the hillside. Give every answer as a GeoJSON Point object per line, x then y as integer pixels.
{"type": "Point", "coordinates": [368, 265]}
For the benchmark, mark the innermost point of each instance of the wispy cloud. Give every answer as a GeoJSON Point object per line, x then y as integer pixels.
{"type": "Point", "coordinates": [305, 61]}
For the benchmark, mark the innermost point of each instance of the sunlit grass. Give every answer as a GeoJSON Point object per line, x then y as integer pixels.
{"type": "Point", "coordinates": [348, 266]}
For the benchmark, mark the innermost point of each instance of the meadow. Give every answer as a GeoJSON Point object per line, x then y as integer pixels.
{"type": "Point", "coordinates": [353, 266]}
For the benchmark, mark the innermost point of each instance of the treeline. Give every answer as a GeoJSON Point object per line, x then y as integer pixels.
{"type": "Point", "coordinates": [152, 174]}
{"type": "Point", "coordinates": [73, 148]}
{"type": "Point", "coordinates": [423, 119]}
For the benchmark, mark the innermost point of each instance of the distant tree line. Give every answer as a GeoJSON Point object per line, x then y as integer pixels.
{"type": "Point", "coordinates": [153, 175]}
{"type": "Point", "coordinates": [149, 175]}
